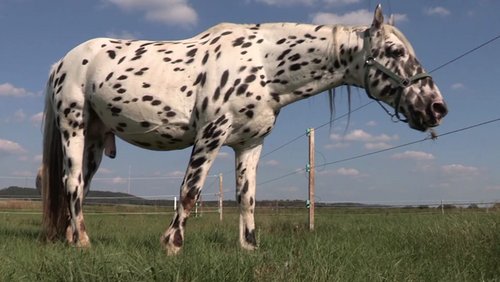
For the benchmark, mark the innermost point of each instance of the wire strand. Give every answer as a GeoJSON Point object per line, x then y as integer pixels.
{"type": "Point", "coordinates": [316, 128]}
{"type": "Point", "coordinates": [465, 54]}
{"type": "Point", "coordinates": [429, 137]}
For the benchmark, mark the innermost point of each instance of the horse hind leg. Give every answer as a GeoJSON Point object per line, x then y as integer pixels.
{"type": "Point", "coordinates": [246, 168]}
{"type": "Point", "coordinates": [72, 127]}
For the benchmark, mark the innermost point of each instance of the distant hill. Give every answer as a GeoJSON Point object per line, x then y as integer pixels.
{"type": "Point", "coordinates": [106, 197]}
{"type": "Point", "coordinates": [93, 196]}
{"type": "Point", "coordinates": [19, 192]}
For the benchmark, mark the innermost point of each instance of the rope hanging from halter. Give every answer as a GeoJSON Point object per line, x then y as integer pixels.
{"type": "Point", "coordinates": [400, 82]}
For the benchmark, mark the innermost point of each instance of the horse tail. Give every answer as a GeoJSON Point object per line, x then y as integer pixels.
{"type": "Point", "coordinates": [54, 199]}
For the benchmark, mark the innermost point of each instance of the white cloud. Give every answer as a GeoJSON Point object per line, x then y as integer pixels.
{"type": "Point", "coordinates": [437, 11]}
{"type": "Point", "coordinates": [347, 171]}
{"type": "Point", "coordinates": [176, 173]}
{"type": "Point", "coordinates": [272, 162]}
{"type": "Point", "coordinates": [38, 158]}
{"type": "Point", "coordinates": [458, 169]}
{"type": "Point", "coordinates": [377, 146]}
{"type": "Point", "coordinates": [343, 171]}
{"type": "Point", "coordinates": [358, 17]}
{"type": "Point", "coordinates": [337, 145]}
{"type": "Point", "coordinates": [371, 123]}
{"type": "Point", "coordinates": [371, 142]}
{"type": "Point", "coordinates": [8, 147]}
{"type": "Point", "coordinates": [400, 18]}
{"type": "Point", "coordinates": [413, 155]}
{"type": "Point", "coordinates": [18, 116]}
{"type": "Point", "coordinates": [308, 2]}
{"type": "Point", "coordinates": [494, 188]}
{"type": "Point", "coordinates": [457, 86]}
{"type": "Point", "coordinates": [287, 2]}
{"type": "Point", "coordinates": [360, 135]}
{"type": "Point", "coordinates": [9, 90]}
{"type": "Point", "coordinates": [124, 34]}
{"type": "Point", "coordinates": [119, 180]}
{"type": "Point", "coordinates": [103, 170]}
{"type": "Point", "coordinates": [223, 155]}
{"type": "Point", "coordinates": [37, 118]}
{"type": "Point", "coordinates": [341, 2]}
{"type": "Point", "coordinates": [440, 185]}
{"type": "Point", "coordinates": [174, 12]}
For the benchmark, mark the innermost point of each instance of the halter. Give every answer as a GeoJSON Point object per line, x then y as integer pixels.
{"type": "Point", "coordinates": [400, 82]}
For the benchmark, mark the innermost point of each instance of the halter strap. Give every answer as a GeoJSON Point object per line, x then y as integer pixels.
{"type": "Point", "coordinates": [399, 81]}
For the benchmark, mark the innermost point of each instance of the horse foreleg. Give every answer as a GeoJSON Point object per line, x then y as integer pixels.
{"type": "Point", "coordinates": [246, 167]}
{"type": "Point", "coordinates": [208, 142]}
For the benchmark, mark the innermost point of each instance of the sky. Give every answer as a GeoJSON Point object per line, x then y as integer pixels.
{"type": "Point", "coordinates": [457, 167]}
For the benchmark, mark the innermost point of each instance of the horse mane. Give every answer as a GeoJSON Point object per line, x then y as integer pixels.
{"type": "Point", "coordinates": [394, 30]}
{"type": "Point", "coordinates": [332, 92]}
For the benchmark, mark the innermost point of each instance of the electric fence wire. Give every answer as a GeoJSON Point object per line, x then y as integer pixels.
{"type": "Point", "coordinates": [429, 137]}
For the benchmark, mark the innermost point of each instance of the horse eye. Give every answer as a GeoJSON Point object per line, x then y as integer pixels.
{"type": "Point", "coordinates": [395, 53]}
{"type": "Point", "coordinates": [399, 52]}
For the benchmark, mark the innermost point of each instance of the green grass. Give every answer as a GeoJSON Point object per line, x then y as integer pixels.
{"type": "Point", "coordinates": [346, 246]}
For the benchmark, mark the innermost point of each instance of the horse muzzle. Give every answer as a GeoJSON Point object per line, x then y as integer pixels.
{"type": "Point", "coordinates": [428, 118]}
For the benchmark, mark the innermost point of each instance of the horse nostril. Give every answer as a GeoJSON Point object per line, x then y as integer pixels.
{"type": "Point", "coordinates": [439, 109]}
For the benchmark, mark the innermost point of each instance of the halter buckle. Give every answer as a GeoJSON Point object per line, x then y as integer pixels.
{"type": "Point", "coordinates": [405, 82]}
{"type": "Point", "coordinates": [370, 61]}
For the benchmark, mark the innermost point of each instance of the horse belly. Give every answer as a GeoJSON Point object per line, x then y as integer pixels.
{"type": "Point", "coordinates": [165, 138]}
{"type": "Point", "coordinates": [147, 121]}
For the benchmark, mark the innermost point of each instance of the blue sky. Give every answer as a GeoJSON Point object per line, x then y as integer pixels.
{"type": "Point", "coordinates": [457, 167]}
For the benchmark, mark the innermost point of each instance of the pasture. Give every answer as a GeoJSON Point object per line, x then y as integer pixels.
{"type": "Point", "coordinates": [347, 245]}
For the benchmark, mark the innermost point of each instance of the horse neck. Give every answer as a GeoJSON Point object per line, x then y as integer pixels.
{"type": "Point", "coordinates": [316, 59]}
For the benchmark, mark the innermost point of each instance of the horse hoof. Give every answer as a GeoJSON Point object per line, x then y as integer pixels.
{"type": "Point", "coordinates": [249, 247]}
{"type": "Point", "coordinates": [83, 245]}
{"type": "Point", "coordinates": [169, 247]}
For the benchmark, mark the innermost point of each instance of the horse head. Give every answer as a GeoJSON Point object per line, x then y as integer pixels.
{"type": "Point", "coordinates": [393, 74]}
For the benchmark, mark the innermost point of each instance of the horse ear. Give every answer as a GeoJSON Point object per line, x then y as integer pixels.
{"type": "Point", "coordinates": [391, 21]}
{"type": "Point", "coordinates": [378, 17]}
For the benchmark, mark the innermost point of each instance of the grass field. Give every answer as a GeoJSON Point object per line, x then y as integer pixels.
{"type": "Point", "coordinates": [366, 245]}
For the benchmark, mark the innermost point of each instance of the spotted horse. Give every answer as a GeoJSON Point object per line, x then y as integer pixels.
{"type": "Point", "coordinates": [224, 86]}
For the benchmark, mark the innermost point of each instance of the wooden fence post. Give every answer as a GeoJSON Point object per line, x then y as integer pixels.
{"type": "Point", "coordinates": [221, 197]}
{"type": "Point", "coordinates": [311, 168]}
